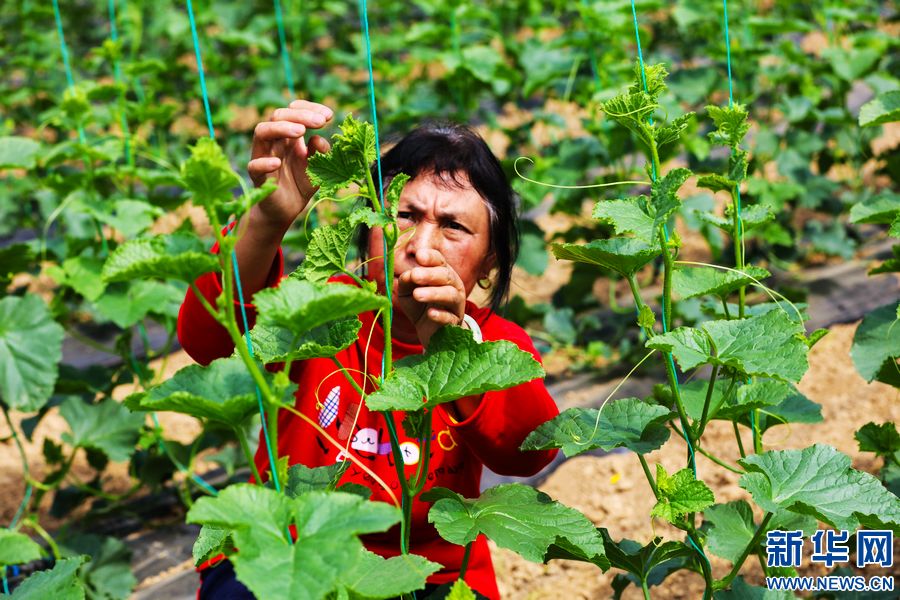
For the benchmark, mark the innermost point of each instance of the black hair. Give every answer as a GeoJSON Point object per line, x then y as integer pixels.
{"type": "Point", "coordinates": [456, 152]}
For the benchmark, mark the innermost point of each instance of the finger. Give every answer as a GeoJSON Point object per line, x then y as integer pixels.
{"type": "Point", "coordinates": [429, 257]}
{"type": "Point", "coordinates": [269, 132]}
{"type": "Point", "coordinates": [445, 296]}
{"type": "Point", "coordinates": [309, 118]}
{"type": "Point", "coordinates": [313, 106]}
{"type": "Point", "coordinates": [433, 276]}
{"type": "Point", "coordinates": [319, 144]}
{"type": "Point", "coordinates": [260, 167]}
{"type": "Point", "coordinates": [442, 317]}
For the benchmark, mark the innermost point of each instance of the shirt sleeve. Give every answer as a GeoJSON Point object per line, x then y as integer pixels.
{"type": "Point", "coordinates": [504, 419]}
{"type": "Point", "coordinates": [201, 336]}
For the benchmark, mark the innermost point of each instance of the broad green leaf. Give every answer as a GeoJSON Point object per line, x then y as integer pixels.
{"type": "Point", "coordinates": [876, 346]}
{"type": "Point", "coordinates": [680, 494]}
{"type": "Point", "coordinates": [30, 350]}
{"type": "Point", "coordinates": [352, 151]}
{"type": "Point", "coordinates": [690, 282]}
{"type": "Point", "coordinates": [208, 175]}
{"type": "Point", "coordinates": [882, 439]}
{"type": "Point", "coordinates": [664, 195]}
{"type": "Point", "coordinates": [625, 256]}
{"type": "Point", "coordinates": [818, 481]}
{"type": "Point", "coordinates": [106, 426]}
{"type": "Point", "coordinates": [672, 132]}
{"type": "Point", "coordinates": [60, 583]}
{"type": "Point", "coordinates": [127, 303]}
{"type": "Point", "coordinates": [629, 215]}
{"type": "Point", "coordinates": [130, 217]}
{"type": "Point", "coordinates": [301, 306]}
{"type": "Point", "coordinates": [177, 256]}
{"type": "Point", "coordinates": [326, 253]}
{"type": "Point", "coordinates": [17, 548]}
{"type": "Point", "coordinates": [751, 217]}
{"type": "Point", "coordinates": [276, 344]}
{"type": "Point", "coordinates": [741, 590]}
{"type": "Point", "coordinates": [880, 209]}
{"type": "Point", "coordinates": [792, 407]}
{"type": "Point", "coordinates": [644, 563]}
{"type": "Point", "coordinates": [222, 391]}
{"type": "Point", "coordinates": [453, 367]}
{"type": "Point", "coordinates": [518, 518]}
{"type": "Point", "coordinates": [326, 545]}
{"type": "Point", "coordinates": [302, 479]}
{"type": "Point", "coordinates": [885, 108]}
{"type": "Point", "coordinates": [731, 124]}
{"type": "Point", "coordinates": [108, 573]}
{"type": "Point", "coordinates": [18, 152]}
{"type": "Point", "coordinates": [211, 542]}
{"type": "Point", "coordinates": [628, 423]}
{"type": "Point", "coordinates": [764, 345]}
{"type": "Point", "coordinates": [372, 576]}
{"type": "Point", "coordinates": [82, 274]}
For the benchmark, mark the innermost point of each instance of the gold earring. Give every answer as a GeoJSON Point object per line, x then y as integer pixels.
{"type": "Point", "coordinates": [484, 283]}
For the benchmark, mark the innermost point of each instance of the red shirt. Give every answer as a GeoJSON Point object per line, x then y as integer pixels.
{"type": "Point", "coordinates": [491, 436]}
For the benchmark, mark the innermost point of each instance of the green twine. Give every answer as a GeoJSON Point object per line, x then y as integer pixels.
{"type": "Point", "coordinates": [117, 70]}
{"type": "Point", "coordinates": [64, 50]}
{"type": "Point", "coordinates": [282, 40]}
{"type": "Point", "coordinates": [203, 91]}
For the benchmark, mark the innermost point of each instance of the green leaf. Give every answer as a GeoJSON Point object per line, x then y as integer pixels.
{"type": "Point", "coordinates": [302, 479]}
{"type": "Point", "coordinates": [108, 574]}
{"type": "Point", "coordinates": [732, 528]}
{"type": "Point", "coordinates": [392, 196]}
{"type": "Point", "coordinates": [629, 215]}
{"type": "Point", "coordinates": [680, 494]}
{"type": "Point", "coordinates": [818, 481]}
{"type": "Point", "coordinates": [716, 183]}
{"type": "Point", "coordinates": [301, 306]}
{"type": "Point", "coordinates": [690, 282]}
{"type": "Point", "coordinates": [106, 426]}
{"type": "Point", "coordinates": [882, 439]}
{"type": "Point", "coordinates": [275, 344]}
{"type": "Point", "coordinates": [518, 518]}
{"type": "Point", "coordinates": [663, 195]}
{"type": "Point", "coordinates": [751, 217]}
{"type": "Point", "coordinates": [369, 217]}
{"type": "Point", "coordinates": [625, 256]}
{"type": "Point", "coordinates": [880, 209]}
{"type": "Point", "coordinates": [731, 124]}
{"type": "Point", "coordinates": [18, 152]}
{"type": "Point", "coordinates": [82, 274]}
{"type": "Point", "coordinates": [460, 591]}
{"type": "Point", "coordinates": [17, 548]}
{"type": "Point", "coordinates": [211, 542]}
{"type": "Point", "coordinates": [632, 110]}
{"type": "Point", "coordinates": [741, 590]}
{"type": "Point", "coordinates": [652, 79]}
{"type": "Point", "coordinates": [208, 175]}
{"type": "Point", "coordinates": [326, 253]}
{"type": "Point", "coordinates": [372, 576]}
{"type": "Point", "coordinates": [60, 583]}
{"type": "Point", "coordinates": [30, 350]}
{"type": "Point", "coordinates": [126, 304]}
{"type": "Point", "coordinates": [876, 346]}
{"type": "Point", "coordinates": [326, 546]}
{"type": "Point", "coordinates": [223, 391]}
{"type": "Point", "coordinates": [792, 407]}
{"type": "Point", "coordinates": [764, 345]}
{"type": "Point", "coordinates": [179, 256]}
{"type": "Point", "coordinates": [673, 131]}
{"type": "Point", "coordinates": [883, 109]}
{"type": "Point", "coordinates": [454, 366]}
{"type": "Point", "coordinates": [131, 217]}
{"type": "Point", "coordinates": [628, 423]}
{"type": "Point", "coordinates": [14, 259]}
{"type": "Point", "coordinates": [644, 562]}
{"type": "Point", "coordinates": [352, 151]}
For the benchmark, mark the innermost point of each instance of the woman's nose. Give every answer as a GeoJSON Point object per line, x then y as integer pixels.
{"type": "Point", "coordinates": [426, 235]}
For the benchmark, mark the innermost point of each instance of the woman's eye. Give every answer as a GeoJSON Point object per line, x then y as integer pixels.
{"type": "Point", "coordinates": [404, 214]}
{"type": "Point", "coordinates": [456, 226]}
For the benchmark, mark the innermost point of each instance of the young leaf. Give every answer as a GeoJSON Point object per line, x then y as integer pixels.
{"type": "Point", "coordinates": [690, 282]}
{"type": "Point", "coordinates": [881, 439]}
{"type": "Point", "coordinates": [663, 195]}
{"type": "Point", "coordinates": [326, 253]}
{"type": "Point", "coordinates": [876, 346]}
{"type": "Point", "coordinates": [672, 132]}
{"type": "Point", "coordinates": [17, 548]}
{"type": "Point", "coordinates": [680, 494]}
{"type": "Point", "coordinates": [741, 590]}
{"type": "Point", "coordinates": [392, 195]}
{"type": "Point", "coordinates": [208, 176]}
{"type": "Point", "coordinates": [30, 350]}
{"type": "Point", "coordinates": [326, 546]}
{"type": "Point", "coordinates": [275, 344]}
{"type": "Point", "coordinates": [751, 217]}
{"type": "Point", "coordinates": [516, 517]}
{"type": "Point", "coordinates": [625, 256]}
{"type": "Point", "coordinates": [764, 345]}
{"type": "Point", "coordinates": [818, 481]}
{"type": "Point", "coordinates": [453, 367]}
{"type": "Point", "coordinates": [60, 583]}
{"type": "Point", "coordinates": [222, 391]}
{"type": "Point", "coordinates": [652, 79]}
{"type": "Point", "coordinates": [628, 423]}
{"type": "Point", "coordinates": [352, 151]}
{"type": "Point", "coordinates": [645, 563]}
{"type": "Point", "coordinates": [106, 426]}
{"type": "Point", "coordinates": [716, 183]}
{"type": "Point", "coordinates": [731, 124]}
{"type": "Point", "coordinates": [179, 256]}
{"type": "Point", "coordinates": [629, 215]}
{"type": "Point", "coordinates": [300, 306]}
{"type": "Point", "coordinates": [372, 576]}
{"type": "Point", "coordinates": [211, 542]}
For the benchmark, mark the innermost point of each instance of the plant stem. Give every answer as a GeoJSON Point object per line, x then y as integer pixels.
{"type": "Point", "coordinates": [645, 589]}
{"type": "Point", "coordinates": [757, 433]}
{"type": "Point", "coordinates": [738, 240]}
{"type": "Point", "coordinates": [650, 479]}
{"type": "Point", "coordinates": [249, 455]}
{"type": "Point", "coordinates": [89, 342]}
{"type": "Point", "coordinates": [33, 524]}
{"type": "Point", "coordinates": [422, 469]}
{"type": "Point", "coordinates": [704, 564]}
{"type": "Point", "coordinates": [638, 301]}
{"type": "Point", "coordinates": [465, 561]}
{"type": "Point", "coordinates": [706, 402]}
{"type": "Point", "coordinates": [737, 436]}
{"type": "Point", "coordinates": [712, 456]}
{"type": "Point", "coordinates": [401, 476]}
{"type": "Point", "coordinates": [751, 547]}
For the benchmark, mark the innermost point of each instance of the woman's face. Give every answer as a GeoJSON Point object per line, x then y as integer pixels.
{"type": "Point", "coordinates": [444, 215]}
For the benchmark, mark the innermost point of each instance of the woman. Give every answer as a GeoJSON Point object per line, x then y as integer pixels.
{"type": "Point", "coordinates": [459, 215]}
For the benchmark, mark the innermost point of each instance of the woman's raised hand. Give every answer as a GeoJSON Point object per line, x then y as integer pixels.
{"type": "Point", "coordinates": [280, 152]}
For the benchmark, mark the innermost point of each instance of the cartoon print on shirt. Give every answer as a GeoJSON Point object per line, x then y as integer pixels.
{"type": "Point", "coordinates": [369, 441]}
{"type": "Point", "coordinates": [329, 410]}
{"type": "Point", "coordinates": [409, 450]}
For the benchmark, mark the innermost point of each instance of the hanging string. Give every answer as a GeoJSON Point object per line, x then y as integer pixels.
{"type": "Point", "coordinates": [64, 50]}
{"type": "Point", "coordinates": [285, 57]}
{"type": "Point", "coordinates": [237, 275]}
{"type": "Point", "coordinates": [117, 71]}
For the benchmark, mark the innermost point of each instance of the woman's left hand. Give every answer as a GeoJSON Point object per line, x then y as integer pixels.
{"type": "Point", "coordinates": [431, 294]}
